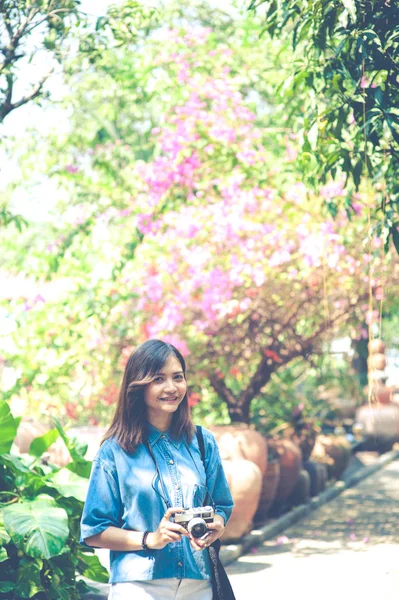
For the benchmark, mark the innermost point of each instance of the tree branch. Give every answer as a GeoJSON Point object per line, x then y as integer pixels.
{"type": "Point", "coordinates": [9, 106]}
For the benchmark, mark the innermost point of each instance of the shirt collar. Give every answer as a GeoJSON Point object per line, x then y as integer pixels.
{"type": "Point", "coordinates": [154, 435]}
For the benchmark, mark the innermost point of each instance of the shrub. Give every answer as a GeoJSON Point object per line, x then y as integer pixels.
{"type": "Point", "coordinates": [40, 510]}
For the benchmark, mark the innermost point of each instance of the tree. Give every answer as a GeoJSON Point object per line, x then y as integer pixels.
{"type": "Point", "coordinates": [237, 263]}
{"type": "Point", "coordinates": [21, 24]}
{"type": "Point", "coordinates": [345, 72]}
{"type": "Point", "coordinates": [32, 30]}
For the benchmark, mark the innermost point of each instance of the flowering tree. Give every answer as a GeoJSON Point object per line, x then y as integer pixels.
{"type": "Point", "coordinates": [207, 239]}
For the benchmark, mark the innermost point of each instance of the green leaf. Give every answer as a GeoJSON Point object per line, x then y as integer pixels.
{"type": "Point", "coordinates": [89, 566]}
{"type": "Point", "coordinates": [77, 451]}
{"type": "Point", "coordinates": [4, 537]}
{"type": "Point", "coordinates": [70, 484]}
{"type": "Point", "coordinates": [6, 586]}
{"type": "Point", "coordinates": [38, 527]}
{"type": "Point", "coordinates": [40, 444]}
{"type": "Point", "coordinates": [8, 427]}
{"type": "Point", "coordinates": [3, 554]}
{"type": "Point", "coordinates": [16, 463]}
{"type": "Point", "coordinates": [28, 582]}
{"type": "Point", "coordinates": [395, 238]}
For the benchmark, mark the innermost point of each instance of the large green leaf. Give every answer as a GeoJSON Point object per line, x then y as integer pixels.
{"type": "Point", "coordinates": [42, 443]}
{"type": "Point", "coordinates": [70, 484]}
{"type": "Point", "coordinates": [77, 450]}
{"type": "Point", "coordinates": [14, 462]}
{"type": "Point", "coordinates": [38, 527]}
{"type": "Point", "coordinates": [28, 582]}
{"type": "Point", "coordinates": [89, 566]}
{"type": "Point", "coordinates": [8, 427]}
{"type": "Point", "coordinates": [6, 586]}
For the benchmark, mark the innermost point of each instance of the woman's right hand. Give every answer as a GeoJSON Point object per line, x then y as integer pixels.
{"type": "Point", "coordinates": [167, 531]}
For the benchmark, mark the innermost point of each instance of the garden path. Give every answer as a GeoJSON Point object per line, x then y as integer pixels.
{"type": "Point", "coordinates": [347, 549]}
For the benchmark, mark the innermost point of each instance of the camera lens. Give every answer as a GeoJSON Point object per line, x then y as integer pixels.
{"type": "Point", "coordinates": [197, 527]}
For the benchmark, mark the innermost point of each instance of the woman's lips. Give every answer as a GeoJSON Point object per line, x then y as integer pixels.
{"type": "Point", "coordinates": [171, 400]}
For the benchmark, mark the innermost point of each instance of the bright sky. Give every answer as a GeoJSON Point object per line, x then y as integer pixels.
{"type": "Point", "coordinates": [34, 203]}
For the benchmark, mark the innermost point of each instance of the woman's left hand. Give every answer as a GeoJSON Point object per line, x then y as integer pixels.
{"type": "Point", "coordinates": [216, 529]}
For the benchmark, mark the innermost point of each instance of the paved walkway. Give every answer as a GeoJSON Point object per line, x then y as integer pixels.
{"type": "Point", "coordinates": [346, 550]}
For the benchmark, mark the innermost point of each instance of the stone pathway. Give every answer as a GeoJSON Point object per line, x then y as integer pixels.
{"type": "Point", "coordinates": [346, 550]}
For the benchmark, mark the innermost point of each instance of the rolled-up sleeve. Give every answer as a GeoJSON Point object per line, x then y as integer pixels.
{"type": "Point", "coordinates": [102, 507]}
{"type": "Point", "coordinates": [218, 486]}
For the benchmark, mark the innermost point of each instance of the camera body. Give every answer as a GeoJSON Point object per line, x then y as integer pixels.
{"type": "Point", "coordinates": [195, 520]}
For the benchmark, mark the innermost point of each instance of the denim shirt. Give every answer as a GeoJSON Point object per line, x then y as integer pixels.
{"type": "Point", "coordinates": [121, 493]}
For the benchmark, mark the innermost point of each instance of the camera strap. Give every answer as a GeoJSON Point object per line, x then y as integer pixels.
{"type": "Point", "coordinates": [201, 444]}
{"type": "Point", "coordinates": [165, 496]}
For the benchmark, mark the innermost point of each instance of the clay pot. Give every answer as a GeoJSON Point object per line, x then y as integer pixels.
{"type": "Point", "coordinates": [90, 435]}
{"type": "Point", "coordinates": [290, 459]}
{"type": "Point", "coordinates": [238, 440]}
{"type": "Point", "coordinates": [301, 492]}
{"type": "Point", "coordinates": [376, 362]}
{"type": "Point", "coordinates": [380, 393]}
{"type": "Point", "coordinates": [58, 454]}
{"type": "Point", "coordinates": [304, 438]}
{"type": "Point", "coordinates": [245, 481]}
{"type": "Point", "coordinates": [318, 476]}
{"type": "Point", "coordinates": [28, 429]}
{"type": "Point", "coordinates": [344, 407]}
{"type": "Point", "coordinates": [268, 491]}
{"type": "Point", "coordinates": [376, 347]}
{"type": "Point", "coordinates": [380, 421]}
{"type": "Point", "coordinates": [337, 449]}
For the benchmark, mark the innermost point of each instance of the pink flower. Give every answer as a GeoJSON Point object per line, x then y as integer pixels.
{"type": "Point", "coordinates": [333, 189]}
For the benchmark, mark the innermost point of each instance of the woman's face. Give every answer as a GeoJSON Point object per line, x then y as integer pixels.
{"type": "Point", "coordinates": [164, 395]}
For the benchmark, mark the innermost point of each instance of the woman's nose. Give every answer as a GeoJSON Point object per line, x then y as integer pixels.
{"type": "Point", "coordinates": [170, 386]}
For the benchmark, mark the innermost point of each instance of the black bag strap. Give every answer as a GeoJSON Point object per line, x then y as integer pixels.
{"type": "Point", "coordinates": [201, 444]}
{"type": "Point", "coordinates": [221, 586]}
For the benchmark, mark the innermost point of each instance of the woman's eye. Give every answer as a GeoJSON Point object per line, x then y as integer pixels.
{"type": "Point", "coordinates": [179, 377]}
{"type": "Point", "coordinates": [158, 380]}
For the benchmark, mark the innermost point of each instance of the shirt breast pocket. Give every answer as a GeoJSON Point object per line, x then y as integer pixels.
{"type": "Point", "coordinates": [198, 495]}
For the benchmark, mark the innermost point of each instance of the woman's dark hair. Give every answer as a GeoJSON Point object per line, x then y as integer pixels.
{"type": "Point", "coordinates": [129, 424]}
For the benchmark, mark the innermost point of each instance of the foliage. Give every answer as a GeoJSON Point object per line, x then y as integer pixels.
{"type": "Point", "coordinates": [308, 390]}
{"type": "Point", "coordinates": [185, 218]}
{"type": "Point", "coordinates": [40, 514]}
{"type": "Point", "coordinates": [345, 75]}
{"type": "Point", "coordinates": [51, 23]}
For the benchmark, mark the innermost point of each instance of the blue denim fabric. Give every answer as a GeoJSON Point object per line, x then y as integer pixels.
{"type": "Point", "coordinates": [121, 494]}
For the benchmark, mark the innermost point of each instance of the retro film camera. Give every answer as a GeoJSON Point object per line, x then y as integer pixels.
{"type": "Point", "coordinates": [195, 520]}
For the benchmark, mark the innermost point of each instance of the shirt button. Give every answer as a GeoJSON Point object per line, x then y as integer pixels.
{"type": "Point", "coordinates": [171, 462]}
{"type": "Point", "coordinates": [163, 437]}
{"type": "Point", "coordinates": [179, 564]}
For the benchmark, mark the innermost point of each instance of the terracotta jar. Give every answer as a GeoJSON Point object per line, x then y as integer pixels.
{"type": "Point", "coordinates": [318, 476]}
{"type": "Point", "coordinates": [28, 429]}
{"type": "Point", "coordinates": [268, 491]}
{"type": "Point", "coordinates": [380, 421]}
{"type": "Point", "coordinates": [376, 347]}
{"type": "Point", "coordinates": [245, 481]}
{"type": "Point", "coordinates": [376, 362]}
{"type": "Point", "coordinates": [301, 492]}
{"type": "Point", "coordinates": [58, 454]}
{"type": "Point", "coordinates": [304, 437]}
{"type": "Point", "coordinates": [290, 459]}
{"type": "Point", "coordinates": [238, 440]}
{"type": "Point", "coordinates": [90, 435]}
{"type": "Point", "coordinates": [380, 392]}
{"type": "Point", "coordinates": [337, 449]}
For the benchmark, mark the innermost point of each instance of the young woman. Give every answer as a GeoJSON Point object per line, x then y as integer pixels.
{"type": "Point", "coordinates": [147, 470]}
